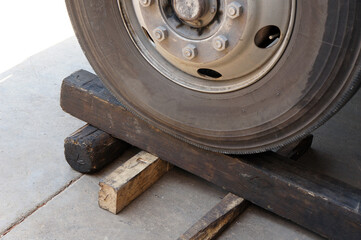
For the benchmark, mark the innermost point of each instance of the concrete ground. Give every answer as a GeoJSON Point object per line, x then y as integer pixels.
{"type": "Point", "coordinates": [43, 198]}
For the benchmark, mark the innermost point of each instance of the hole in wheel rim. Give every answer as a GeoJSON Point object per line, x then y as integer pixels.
{"type": "Point", "coordinates": [236, 72]}
{"type": "Point", "coordinates": [267, 36]}
{"type": "Point", "coordinates": [209, 73]}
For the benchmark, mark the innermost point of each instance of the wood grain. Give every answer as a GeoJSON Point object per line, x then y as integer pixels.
{"type": "Point", "coordinates": [224, 213]}
{"type": "Point", "coordinates": [217, 219]}
{"type": "Point", "coordinates": [130, 180]}
{"type": "Point", "coordinates": [268, 180]}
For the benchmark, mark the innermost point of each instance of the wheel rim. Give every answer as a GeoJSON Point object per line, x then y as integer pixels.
{"type": "Point", "coordinates": [317, 73]}
{"type": "Point", "coordinates": [213, 46]}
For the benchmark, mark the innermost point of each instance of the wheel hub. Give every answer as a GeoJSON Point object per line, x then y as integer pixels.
{"type": "Point", "coordinates": [212, 46]}
{"type": "Point", "coordinates": [196, 13]}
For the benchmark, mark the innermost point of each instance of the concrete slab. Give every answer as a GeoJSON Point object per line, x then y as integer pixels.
{"type": "Point", "coordinates": [33, 128]}
{"type": "Point", "coordinates": [165, 211]}
{"type": "Point", "coordinates": [256, 223]}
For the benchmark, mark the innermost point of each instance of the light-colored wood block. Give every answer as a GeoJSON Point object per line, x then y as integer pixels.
{"type": "Point", "coordinates": [130, 180]}
{"type": "Point", "coordinates": [217, 219]}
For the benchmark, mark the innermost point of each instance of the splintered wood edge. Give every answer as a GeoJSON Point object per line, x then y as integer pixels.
{"type": "Point", "coordinates": [130, 180]}
{"type": "Point", "coordinates": [217, 219]}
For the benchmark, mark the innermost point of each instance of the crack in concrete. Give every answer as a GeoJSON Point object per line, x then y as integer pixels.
{"type": "Point", "coordinates": [23, 218]}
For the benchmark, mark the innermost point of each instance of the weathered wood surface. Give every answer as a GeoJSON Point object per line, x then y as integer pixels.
{"type": "Point", "coordinates": [130, 180]}
{"type": "Point", "coordinates": [217, 219]}
{"type": "Point", "coordinates": [319, 203]}
{"type": "Point", "coordinates": [89, 149]}
{"type": "Point", "coordinates": [223, 214]}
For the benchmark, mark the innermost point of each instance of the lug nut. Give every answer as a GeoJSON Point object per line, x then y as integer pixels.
{"type": "Point", "coordinates": [234, 10]}
{"type": "Point", "coordinates": [160, 33]}
{"type": "Point", "coordinates": [220, 43]}
{"type": "Point", "coordinates": [189, 51]}
{"type": "Point", "coordinates": [145, 3]}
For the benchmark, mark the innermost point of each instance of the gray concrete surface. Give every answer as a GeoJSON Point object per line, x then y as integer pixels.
{"type": "Point", "coordinates": [33, 128]}
{"type": "Point", "coordinates": [256, 223]}
{"type": "Point", "coordinates": [42, 198]}
{"type": "Point", "coordinates": [163, 212]}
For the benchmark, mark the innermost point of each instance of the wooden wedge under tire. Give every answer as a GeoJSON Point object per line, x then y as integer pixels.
{"type": "Point", "coordinates": [278, 79]}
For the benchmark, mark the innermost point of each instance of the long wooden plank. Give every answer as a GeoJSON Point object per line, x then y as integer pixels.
{"type": "Point", "coordinates": [319, 203]}
{"type": "Point", "coordinates": [130, 180]}
{"type": "Point", "coordinates": [217, 219]}
{"type": "Point", "coordinates": [89, 149]}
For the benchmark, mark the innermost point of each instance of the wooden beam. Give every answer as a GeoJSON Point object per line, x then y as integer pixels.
{"type": "Point", "coordinates": [268, 180]}
{"type": "Point", "coordinates": [89, 149]}
{"type": "Point", "coordinates": [217, 219]}
{"type": "Point", "coordinates": [224, 213]}
{"type": "Point", "coordinates": [130, 180]}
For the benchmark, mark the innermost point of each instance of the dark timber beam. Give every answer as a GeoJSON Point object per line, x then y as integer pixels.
{"type": "Point", "coordinates": [89, 149]}
{"type": "Point", "coordinates": [319, 203]}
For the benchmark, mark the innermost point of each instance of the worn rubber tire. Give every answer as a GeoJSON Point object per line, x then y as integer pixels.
{"type": "Point", "coordinates": [317, 74]}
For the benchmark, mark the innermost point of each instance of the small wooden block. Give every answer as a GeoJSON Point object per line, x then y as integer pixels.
{"type": "Point", "coordinates": [130, 180]}
{"type": "Point", "coordinates": [89, 149]}
{"type": "Point", "coordinates": [217, 219]}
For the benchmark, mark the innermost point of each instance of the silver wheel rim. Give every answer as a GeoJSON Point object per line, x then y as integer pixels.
{"type": "Point", "coordinates": [241, 42]}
